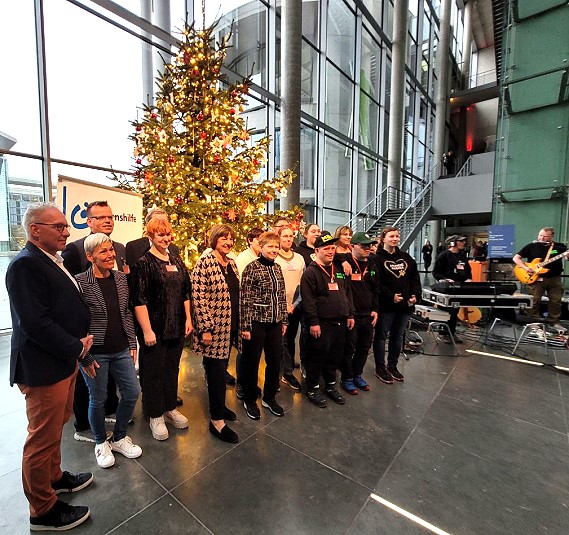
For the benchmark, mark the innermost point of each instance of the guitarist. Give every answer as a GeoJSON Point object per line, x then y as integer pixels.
{"type": "Point", "coordinates": [550, 283]}
{"type": "Point", "coordinates": [452, 266]}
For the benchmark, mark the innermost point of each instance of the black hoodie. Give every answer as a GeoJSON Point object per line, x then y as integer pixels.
{"type": "Point", "coordinates": [398, 275]}
{"type": "Point", "coordinates": [306, 252]}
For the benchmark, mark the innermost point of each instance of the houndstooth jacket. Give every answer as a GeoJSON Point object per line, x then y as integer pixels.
{"type": "Point", "coordinates": [211, 307]}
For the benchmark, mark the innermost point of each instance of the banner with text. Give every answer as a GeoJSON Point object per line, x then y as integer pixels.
{"type": "Point", "coordinates": [501, 241]}
{"type": "Point", "coordinates": [73, 196]}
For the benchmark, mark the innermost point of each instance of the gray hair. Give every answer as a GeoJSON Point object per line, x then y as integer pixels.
{"type": "Point", "coordinates": [33, 213]}
{"type": "Point", "coordinates": [152, 212]}
{"type": "Point", "coordinates": [94, 240]}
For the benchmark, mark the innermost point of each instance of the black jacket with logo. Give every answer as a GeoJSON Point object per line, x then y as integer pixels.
{"type": "Point", "coordinates": [365, 293]}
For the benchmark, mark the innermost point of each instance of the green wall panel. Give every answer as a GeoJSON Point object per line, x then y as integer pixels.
{"type": "Point", "coordinates": [529, 8]}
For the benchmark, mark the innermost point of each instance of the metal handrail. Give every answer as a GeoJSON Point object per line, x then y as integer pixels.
{"type": "Point", "coordinates": [466, 169]}
{"type": "Point", "coordinates": [412, 215]}
{"type": "Point", "coordinates": [377, 207]}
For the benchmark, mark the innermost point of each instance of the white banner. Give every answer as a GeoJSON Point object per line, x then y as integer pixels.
{"type": "Point", "coordinates": [73, 196]}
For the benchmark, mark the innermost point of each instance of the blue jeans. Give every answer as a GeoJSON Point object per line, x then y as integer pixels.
{"type": "Point", "coordinates": [121, 366]}
{"type": "Point", "coordinates": [394, 325]}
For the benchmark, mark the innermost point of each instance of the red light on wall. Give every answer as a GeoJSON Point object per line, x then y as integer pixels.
{"type": "Point", "coordinates": [469, 108]}
{"type": "Point", "coordinates": [468, 145]}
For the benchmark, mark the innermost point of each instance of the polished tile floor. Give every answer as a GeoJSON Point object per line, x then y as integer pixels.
{"type": "Point", "coordinates": [470, 444]}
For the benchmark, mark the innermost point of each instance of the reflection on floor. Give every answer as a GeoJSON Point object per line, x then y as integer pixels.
{"type": "Point", "coordinates": [471, 445]}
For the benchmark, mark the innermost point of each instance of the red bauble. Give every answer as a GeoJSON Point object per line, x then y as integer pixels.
{"type": "Point", "coordinates": [171, 159]}
{"type": "Point", "coordinates": [256, 163]}
{"type": "Point", "coordinates": [215, 71]}
{"type": "Point", "coordinates": [187, 57]}
{"type": "Point", "coordinates": [232, 111]}
{"type": "Point", "coordinates": [203, 135]}
{"type": "Point", "coordinates": [153, 115]}
{"type": "Point", "coordinates": [199, 116]}
{"type": "Point", "coordinates": [179, 199]}
{"type": "Point", "coordinates": [300, 215]}
{"type": "Point", "coordinates": [195, 71]}
{"type": "Point", "coordinates": [138, 128]}
{"type": "Point", "coordinates": [245, 88]}
{"type": "Point", "coordinates": [138, 161]}
{"type": "Point", "coordinates": [137, 173]}
{"type": "Point", "coordinates": [268, 197]}
{"type": "Point", "coordinates": [217, 158]}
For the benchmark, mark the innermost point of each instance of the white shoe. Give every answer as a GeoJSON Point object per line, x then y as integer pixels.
{"type": "Point", "coordinates": [158, 428]}
{"type": "Point", "coordinates": [176, 418]}
{"type": "Point", "coordinates": [104, 455]}
{"type": "Point", "coordinates": [126, 447]}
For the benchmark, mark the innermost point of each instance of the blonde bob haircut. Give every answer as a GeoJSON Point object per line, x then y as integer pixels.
{"type": "Point", "coordinates": [158, 226]}
{"type": "Point", "coordinates": [267, 237]}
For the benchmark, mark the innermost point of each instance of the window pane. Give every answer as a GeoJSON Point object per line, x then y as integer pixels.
{"type": "Point", "coordinates": [309, 80]}
{"type": "Point", "coordinates": [370, 65]}
{"type": "Point", "coordinates": [19, 101]}
{"type": "Point", "coordinates": [337, 175]}
{"type": "Point", "coordinates": [369, 117]}
{"type": "Point", "coordinates": [310, 21]}
{"type": "Point", "coordinates": [341, 36]}
{"type": "Point", "coordinates": [375, 7]}
{"type": "Point", "coordinates": [308, 163]}
{"type": "Point", "coordinates": [339, 100]}
{"type": "Point", "coordinates": [333, 219]}
{"type": "Point", "coordinates": [366, 185]}
{"type": "Point", "coordinates": [92, 99]}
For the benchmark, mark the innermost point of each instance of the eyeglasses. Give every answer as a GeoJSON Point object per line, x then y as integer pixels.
{"type": "Point", "coordinates": [101, 217]}
{"type": "Point", "coordinates": [60, 227]}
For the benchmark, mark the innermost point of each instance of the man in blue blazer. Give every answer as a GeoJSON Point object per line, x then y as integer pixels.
{"type": "Point", "coordinates": [50, 322]}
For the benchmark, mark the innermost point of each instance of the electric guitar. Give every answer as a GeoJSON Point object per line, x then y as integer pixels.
{"type": "Point", "coordinates": [538, 268]}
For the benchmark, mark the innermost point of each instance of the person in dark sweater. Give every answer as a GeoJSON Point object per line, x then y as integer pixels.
{"type": "Point", "coordinates": [550, 282]}
{"type": "Point", "coordinates": [364, 283]}
{"type": "Point", "coordinates": [400, 290]}
{"type": "Point", "coordinates": [306, 247]}
{"type": "Point", "coordinates": [328, 315]}
{"type": "Point", "coordinates": [453, 266]}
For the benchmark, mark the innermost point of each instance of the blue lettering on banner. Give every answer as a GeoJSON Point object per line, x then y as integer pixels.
{"type": "Point", "coordinates": [501, 241]}
{"type": "Point", "coordinates": [82, 215]}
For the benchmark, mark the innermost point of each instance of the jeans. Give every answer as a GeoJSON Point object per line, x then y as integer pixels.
{"type": "Point", "coordinates": [394, 325]}
{"type": "Point", "coordinates": [356, 348]}
{"type": "Point", "coordinates": [121, 366]}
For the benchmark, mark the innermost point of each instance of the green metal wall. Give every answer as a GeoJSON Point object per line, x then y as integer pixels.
{"type": "Point", "coordinates": [532, 149]}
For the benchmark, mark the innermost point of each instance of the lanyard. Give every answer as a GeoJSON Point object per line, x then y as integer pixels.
{"type": "Point", "coordinates": [331, 267]}
{"type": "Point", "coordinates": [359, 268]}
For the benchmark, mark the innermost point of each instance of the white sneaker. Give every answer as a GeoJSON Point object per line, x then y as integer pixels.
{"type": "Point", "coordinates": [176, 418]}
{"type": "Point", "coordinates": [104, 455]}
{"type": "Point", "coordinates": [126, 447]}
{"type": "Point", "coordinates": [158, 428]}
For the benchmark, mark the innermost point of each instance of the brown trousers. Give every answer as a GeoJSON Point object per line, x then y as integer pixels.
{"type": "Point", "coordinates": [48, 409]}
{"type": "Point", "coordinates": [553, 287]}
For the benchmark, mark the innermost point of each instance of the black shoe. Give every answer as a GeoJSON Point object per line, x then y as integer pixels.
{"type": "Point", "coordinates": [273, 406]}
{"type": "Point", "coordinates": [229, 379]}
{"type": "Point", "coordinates": [335, 396]}
{"type": "Point", "coordinates": [290, 380]}
{"type": "Point", "coordinates": [226, 434]}
{"type": "Point", "coordinates": [239, 391]}
{"type": "Point", "coordinates": [252, 410]}
{"type": "Point", "coordinates": [316, 397]}
{"type": "Point", "coordinates": [72, 482]}
{"type": "Point", "coordinates": [396, 374]}
{"type": "Point", "coordinates": [383, 375]}
{"type": "Point", "coordinates": [179, 401]}
{"type": "Point", "coordinates": [60, 517]}
{"type": "Point", "coordinates": [258, 391]}
{"type": "Point", "coordinates": [229, 415]}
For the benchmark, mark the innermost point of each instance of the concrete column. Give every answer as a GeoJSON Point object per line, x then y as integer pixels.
{"type": "Point", "coordinates": [291, 45]}
{"type": "Point", "coordinates": [162, 20]}
{"type": "Point", "coordinates": [147, 62]}
{"type": "Point", "coordinates": [397, 103]}
{"type": "Point", "coordinates": [467, 43]}
{"type": "Point", "coordinates": [442, 90]}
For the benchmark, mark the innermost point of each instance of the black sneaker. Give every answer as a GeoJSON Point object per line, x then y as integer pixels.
{"type": "Point", "coordinates": [229, 379]}
{"type": "Point", "coordinates": [273, 406]}
{"type": "Point", "coordinates": [252, 410]}
{"type": "Point", "coordinates": [383, 375]}
{"type": "Point", "coordinates": [396, 374]}
{"type": "Point", "coordinates": [69, 482]}
{"type": "Point", "coordinates": [239, 391]}
{"type": "Point", "coordinates": [290, 380]}
{"type": "Point", "coordinates": [60, 517]}
{"type": "Point", "coordinates": [316, 397]}
{"type": "Point", "coordinates": [229, 415]}
{"type": "Point", "coordinates": [335, 396]}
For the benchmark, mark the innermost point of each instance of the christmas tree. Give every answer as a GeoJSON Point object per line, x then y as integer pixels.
{"type": "Point", "coordinates": [193, 153]}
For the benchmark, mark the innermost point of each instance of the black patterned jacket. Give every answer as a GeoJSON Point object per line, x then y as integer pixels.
{"type": "Point", "coordinates": [263, 294]}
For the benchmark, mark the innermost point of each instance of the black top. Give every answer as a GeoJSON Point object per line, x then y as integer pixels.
{"type": "Point", "coordinates": [115, 337]}
{"type": "Point", "coordinates": [427, 250]}
{"type": "Point", "coordinates": [454, 266]}
{"type": "Point", "coordinates": [399, 275]}
{"type": "Point", "coordinates": [306, 252]}
{"type": "Point", "coordinates": [365, 288]}
{"type": "Point", "coordinates": [233, 286]}
{"type": "Point", "coordinates": [163, 290]}
{"type": "Point", "coordinates": [539, 250]}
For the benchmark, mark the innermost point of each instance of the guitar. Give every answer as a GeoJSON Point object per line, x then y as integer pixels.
{"type": "Point", "coordinates": [470, 315]}
{"type": "Point", "coordinates": [537, 265]}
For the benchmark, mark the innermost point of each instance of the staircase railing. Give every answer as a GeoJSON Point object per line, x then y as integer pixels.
{"type": "Point", "coordinates": [389, 197]}
{"type": "Point", "coordinates": [415, 212]}
{"type": "Point", "coordinates": [466, 169]}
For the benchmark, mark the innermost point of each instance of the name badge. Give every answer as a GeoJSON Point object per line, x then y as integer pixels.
{"type": "Point", "coordinates": [171, 267]}
{"type": "Point", "coordinates": [333, 286]}
{"type": "Point", "coordinates": [460, 267]}
{"type": "Point", "coordinates": [356, 276]}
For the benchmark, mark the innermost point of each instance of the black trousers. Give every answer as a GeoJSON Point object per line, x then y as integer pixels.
{"type": "Point", "coordinates": [215, 374]}
{"type": "Point", "coordinates": [356, 348]}
{"type": "Point", "coordinates": [324, 354]}
{"type": "Point", "coordinates": [267, 337]}
{"type": "Point", "coordinates": [289, 342]}
{"type": "Point", "coordinates": [160, 366]}
{"type": "Point", "coordinates": [81, 402]}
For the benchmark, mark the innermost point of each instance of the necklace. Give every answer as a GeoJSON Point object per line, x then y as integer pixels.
{"type": "Point", "coordinates": [287, 258]}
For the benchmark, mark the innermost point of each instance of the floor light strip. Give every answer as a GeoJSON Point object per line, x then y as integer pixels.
{"type": "Point", "coordinates": [409, 515]}
{"type": "Point", "coordinates": [504, 357]}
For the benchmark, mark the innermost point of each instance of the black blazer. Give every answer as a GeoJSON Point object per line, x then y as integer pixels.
{"type": "Point", "coordinates": [49, 316]}
{"type": "Point", "coordinates": [136, 248]}
{"type": "Point", "coordinates": [76, 262]}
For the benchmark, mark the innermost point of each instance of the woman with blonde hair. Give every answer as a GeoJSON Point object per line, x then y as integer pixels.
{"type": "Point", "coordinates": [215, 296]}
